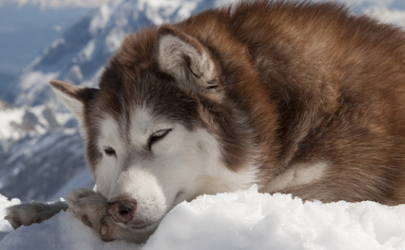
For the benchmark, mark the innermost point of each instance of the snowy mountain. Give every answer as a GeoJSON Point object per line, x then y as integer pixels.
{"type": "Point", "coordinates": [36, 154]}
{"type": "Point", "coordinates": [78, 57]}
{"type": "Point", "coordinates": [36, 167]}
{"type": "Point", "coordinates": [26, 29]}
{"type": "Point", "coordinates": [18, 122]}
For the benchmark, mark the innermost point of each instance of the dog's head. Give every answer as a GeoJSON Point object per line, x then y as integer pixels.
{"type": "Point", "coordinates": [155, 128]}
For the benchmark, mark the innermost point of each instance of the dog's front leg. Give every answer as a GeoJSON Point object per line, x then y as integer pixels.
{"type": "Point", "coordinates": [32, 212]}
{"type": "Point", "coordinates": [90, 207]}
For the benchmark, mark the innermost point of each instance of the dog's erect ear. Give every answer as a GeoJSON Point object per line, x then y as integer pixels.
{"type": "Point", "coordinates": [73, 97]}
{"type": "Point", "coordinates": [188, 61]}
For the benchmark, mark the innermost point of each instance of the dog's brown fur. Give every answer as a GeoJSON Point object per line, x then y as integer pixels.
{"type": "Point", "coordinates": [314, 82]}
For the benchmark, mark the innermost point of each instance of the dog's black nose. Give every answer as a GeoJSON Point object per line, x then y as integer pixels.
{"type": "Point", "coordinates": [122, 209]}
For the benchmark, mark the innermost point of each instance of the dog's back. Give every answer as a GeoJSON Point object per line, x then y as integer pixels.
{"type": "Point", "coordinates": [325, 89]}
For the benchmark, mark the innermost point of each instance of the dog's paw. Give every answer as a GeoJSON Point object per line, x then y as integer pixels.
{"type": "Point", "coordinates": [34, 212]}
{"type": "Point", "coordinates": [90, 207]}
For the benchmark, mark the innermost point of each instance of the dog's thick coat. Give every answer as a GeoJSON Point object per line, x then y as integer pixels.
{"type": "Point", "coordinates": [299, 98]}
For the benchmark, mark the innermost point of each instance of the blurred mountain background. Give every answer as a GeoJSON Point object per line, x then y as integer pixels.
{"type": "Point", "coordinates": [41, 152]}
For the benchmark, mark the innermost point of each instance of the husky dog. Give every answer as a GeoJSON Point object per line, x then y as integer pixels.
{"type": "Point", "coordinates": [297, 98]}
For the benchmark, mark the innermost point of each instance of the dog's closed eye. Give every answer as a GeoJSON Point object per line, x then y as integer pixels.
{"type": "Point", "coordinates": [158, 135]}
{"type": "Point", "coordinates": [109, 151]}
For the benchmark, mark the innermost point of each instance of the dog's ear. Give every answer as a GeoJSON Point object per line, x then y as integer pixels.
{"type": "Point", "coordinates": [188, 61]}
{"type": "Point", "coordinates": [74, 98]}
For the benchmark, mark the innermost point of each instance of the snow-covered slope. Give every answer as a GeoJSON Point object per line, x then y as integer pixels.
{"type": "Point", "coordinates": [390, 11]}
{"type": "Point", "coordinates": [37, 155]}
{"type": "Point", "coordinates": [5, 227]}
{"type": "Point", "coordinates": [240, 220]}
{"type": "Point", "coordinates": [18, 122]}
{"type": "Point", "coordinates": [78, 57]}
{"type": "Point", "coordinates": [25, 30]}
{"type": "Point", "coordinates": [36, 167]}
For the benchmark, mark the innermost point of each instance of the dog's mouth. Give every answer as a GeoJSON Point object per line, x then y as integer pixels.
{"type": "Point", "coordinates": [139, 224]}
{"type": "Point", "coordinates": [177, 198]}
{"type": "Point", "coordinates": [145, 225]}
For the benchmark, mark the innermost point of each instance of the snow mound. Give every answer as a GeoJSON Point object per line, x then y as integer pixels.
{"type": "Point", "coordinates": [5, 227]}
{"type": "Point", "coordinates": [241, 220]}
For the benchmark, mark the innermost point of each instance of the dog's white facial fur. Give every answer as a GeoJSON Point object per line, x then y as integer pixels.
{"type": "Point", "coordinates": [178, 167]}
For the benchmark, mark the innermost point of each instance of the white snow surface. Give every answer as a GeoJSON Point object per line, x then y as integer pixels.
{"type": "Point", "coordinates": [240, 220]}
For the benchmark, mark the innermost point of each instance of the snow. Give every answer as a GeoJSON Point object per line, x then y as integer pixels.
{"type": "Point", "coordinates": [5, 227]}
{"type": "Point", "coordinates": [33, 78]}
{"type": "Point", "coordinates": [240, 220]}
{"type": "Point", "coordinates": [396, 17]}
{"type": "Point", "coordinates": [9, 117]}
{"type": "Point", "coordinates": [18, 122]}
{"type": "Point", "coordinates": [87, 52]}
{"type": "Point", "coordinates": [36, 167]}
{"type": "Point", "coordinates": [100, 20]}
